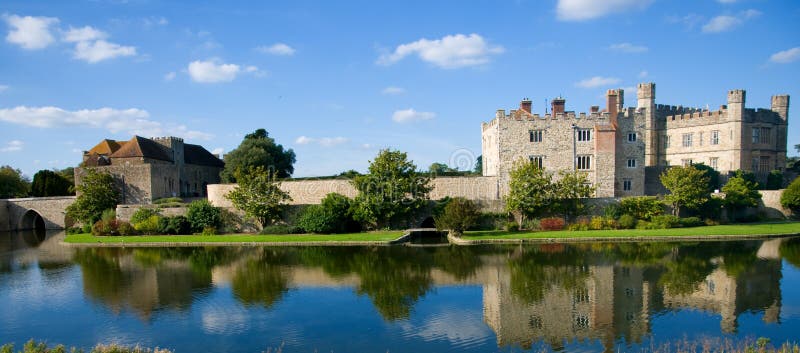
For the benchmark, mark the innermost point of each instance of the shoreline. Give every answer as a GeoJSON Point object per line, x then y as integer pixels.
{"type": "Point", "coordinates": [404, 237]}
{"type": "Point", "coordinates": [617, 239]}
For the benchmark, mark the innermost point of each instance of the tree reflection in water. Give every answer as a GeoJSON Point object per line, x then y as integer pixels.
{"type": "Point", "coordinates": [261, 281]}
{"type": "Point", "coordinates": [790, 251]}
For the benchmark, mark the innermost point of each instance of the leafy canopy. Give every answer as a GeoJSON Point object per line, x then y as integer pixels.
{"type": "Point", "coordinates": [531, 190]}
{"type": "Point", "coordinates": [96, 193]}
{"type": "Point", "coordinates": [12, 183]}
{"type": "Point", "coordinates": [791, 196]}
{"type": "Point", "coordinates": [50, 183]}
{"type": "Point", "coordinates": [258, 150]}
{"type": "Point", "coordinates": [458, 215]}
{"type": "Point", "coordinates": [570, 190]}
{"type": "Point", "coordinates": [688, 187]}
{"type": "Point", "coordinates": [258, 194]}
{"type": "Point", "coordinates": [740, 193]}
{"type": "Point", "coordinates": [392, 189]}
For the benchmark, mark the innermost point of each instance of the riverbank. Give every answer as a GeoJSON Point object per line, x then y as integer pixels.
{"type": "Point", "coordinates": [366, 238]}
{"type": "Point", "coordinates": [728, 231]}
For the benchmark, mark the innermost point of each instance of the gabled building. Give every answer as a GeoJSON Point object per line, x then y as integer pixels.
{"type": "Point", "coordinates": [148, 169]}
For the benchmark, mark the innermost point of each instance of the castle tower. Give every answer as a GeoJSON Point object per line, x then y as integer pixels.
{"type": "Point", "coordinates": [736, 101]}
{"type": "Point", "coordinates": [174, 146]}
{"type": "Point", "coordinates": [646, 100]}
{"type": "Point", "coordinates": [780, 105]}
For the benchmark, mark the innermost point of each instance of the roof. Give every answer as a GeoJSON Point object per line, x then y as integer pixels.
{"type": "Point", "coordinates": [143, 147]}
{"type": "Point", "coordinates": [107, 147]}
{"type": "Point", "coordinates": [197, 155]}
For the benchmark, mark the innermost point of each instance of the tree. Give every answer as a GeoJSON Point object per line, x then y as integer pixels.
{"type": "Point", "coordinates": [259, 195]}
{"type": "Point", "coordinates": [96, 193]}
{"type": "Point", "coordinates": [791, 197]}
{"type": "Point", "coordinates": [740, 193]}
{"type": "Point", "coordinates": [478, 165]}
{"type": "Point", "coordinates": [713, 176]}
{"type": "Point", "coordinates": [258, 150]}
{"type": "Point", "coordinates": [333, 215]}
{"type": "Point", "coordinates": [688, 187]}
{"type": "Point", "coordinates": [12, 183]}
{"type": "Point", "coordinates": [50, 183]}
{"type": "Point", "coordinates": [202, 216]}
{"type": "Point", "coordinates": [458, 215]}
{"type": "Point", "coordinates": [440, 168]}
{"type": "Point", "coordinates": [69, 174]}
{"type": "Point", "coordinates": [531, 191]}
{"type": "Point", "coordinates": [392, 189]}
{"type": "Point", "coordinates": [570, 190]}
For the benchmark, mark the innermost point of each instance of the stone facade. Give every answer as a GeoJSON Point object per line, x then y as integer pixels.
{"type": "Point", "coordinates": [616, 146]}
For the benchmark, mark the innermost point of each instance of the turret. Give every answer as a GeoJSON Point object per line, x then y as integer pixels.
{"type": "Point", "coordinates": [646, 99]}
{"type": "Point", "coordinates": [736, 101]}
{"type": "Point", "coordinates": [780, 105]}
{"type": "Point", "coordinates": [646, 95]}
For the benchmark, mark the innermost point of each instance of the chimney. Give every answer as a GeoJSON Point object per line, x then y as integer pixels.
{"type": "Point", "coordinates": [594, 109]}
{"type": "Point", "coordinates": [525, 105]}
{"type": "Point", "coordinates": [557, 105]}
{"type": "Point", "coordinates": [612, 102]}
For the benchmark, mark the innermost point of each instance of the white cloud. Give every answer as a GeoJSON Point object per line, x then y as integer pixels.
{"type": "Point", "coordinates": [597, 81]}
{"type": "Point", "coordinates": [393, 91]}
{"type": "Point", "coordinates": [724, 23]}
{"type": "Point", "coordinates": [411, 115]}
{"type": "Point", "coordinates": [218, 151]}
{"type": "Point", "coordinates": [450, 52]}
{"type": "Point", "coordinates": [786, 56]}
{"type": "Point", "coordinates": [169, 76]}
{"type": "Point", "coordinates": [277, 49]}
{"type": "Point", "coordinates": [30, 32]}
{"type": "Point", "coordinates": [3, 88]}
{"type": "Point", "coordinates": [323, 141]}
{"type": "Point", "coordinates": [581, 10]}
{"type": "Point", "coordinates": [13, 146]}
{"type": "Point", "coordinates": [133, 121]}
{"type": "Point", "coordinates": [628, 48]}
{"type": "Point", "coordinates": [643, 74]}
{"type": "Point", "coordinates": [214, 70]}
{"type": "Point", "coordinates": [100, 50]}
{"type": "Point", "coordinates": [84, 34]}
{"type": "Point", "coordinates": [154, 21]}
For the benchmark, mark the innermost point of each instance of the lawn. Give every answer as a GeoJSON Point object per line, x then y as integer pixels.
{"type": "Point", "coordinates": [236, 238]}
{"type": "Point", "coordinates": [721, 230]}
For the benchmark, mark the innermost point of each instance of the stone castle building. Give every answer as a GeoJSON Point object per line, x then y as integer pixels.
{"type": "Point", "coordinates": [624, 149]}
{"type": "Point", "coordinates": [148, 169]}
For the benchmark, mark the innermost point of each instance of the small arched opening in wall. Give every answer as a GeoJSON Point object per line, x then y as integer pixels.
{"type": "Point", "coordinates": [428, 223]}
{"type": "Point", "coordinates": [31, 220]}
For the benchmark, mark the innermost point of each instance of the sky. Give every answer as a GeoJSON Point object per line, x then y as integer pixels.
{"type": "Point", "coordinates": [337, 81]}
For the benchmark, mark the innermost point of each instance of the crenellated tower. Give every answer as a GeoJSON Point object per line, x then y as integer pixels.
{"type": "Point", "coordinates": [646, 102]}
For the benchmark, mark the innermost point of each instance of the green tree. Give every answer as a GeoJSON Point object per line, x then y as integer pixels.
{"type": "Point", "coordinates": [201, 215]}
{"type": "Point", "coordinates": [12, 183]}
{"type": "Point", "coordinates": [332, 215]}
{"type": "Point", "coordinates": [349, 174]}
{"type": "Point", "coordinates": [50, 183]}
{"type": "Point", "coordinates": [688, 187]}
{"type": "Point", "coordinates": [478, 165]}
{"type": "Point", "coordinates": [259, 195]}
{"type": "Point", "coordinates": [393, 189]}
{"type": "Point", "coordinates": [570, 190]}
{"type": "Point", "coordinates": [740, 193]}
{"type": "Point", "coordinates": [774, 180]}
{"type": "Point", "coordinates": [458, 215]}
{"type": "Point", "coordinates": [96, 193]}
{"type": "Point", "coordinates": [531, 190]}
{"type": "Point", "coordinates": [713, 176]}
{"type": "Point", "coordinates": [440, 168]}
{"type": "Point", "coordinates": [258, 150]}
{"type": "Point", "coordinates": [69, 174]}
{"type": "Point", "coordinates": [791, 197]}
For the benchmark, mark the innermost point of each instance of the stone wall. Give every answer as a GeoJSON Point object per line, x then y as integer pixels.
{"type": "Point", "coordinates": [51, 209]}
{"type": "Point", "coordinates": [770, 204]}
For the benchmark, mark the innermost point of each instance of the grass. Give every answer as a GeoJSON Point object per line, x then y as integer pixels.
{"type": "Point", "coordinates": [235, 238]}
{"type": "Point", "coordinates": [721, 230]}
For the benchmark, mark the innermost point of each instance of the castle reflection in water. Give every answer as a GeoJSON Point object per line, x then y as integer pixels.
{"type": "Point", "coordinates": [547, 293]}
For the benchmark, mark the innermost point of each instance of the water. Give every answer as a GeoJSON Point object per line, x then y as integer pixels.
{"type": "Point", "coordinates": [580, 297]}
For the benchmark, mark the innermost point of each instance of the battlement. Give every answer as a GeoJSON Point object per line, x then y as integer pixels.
{"type": "Point", "coordinates": [669, 110]}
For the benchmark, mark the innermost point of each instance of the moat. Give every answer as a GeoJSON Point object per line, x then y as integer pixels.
{"type": "Point", "coordinates": [584, 296]}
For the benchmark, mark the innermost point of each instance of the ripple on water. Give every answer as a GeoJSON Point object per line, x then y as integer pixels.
{"type": "Point", "coordinates": [462, 328]}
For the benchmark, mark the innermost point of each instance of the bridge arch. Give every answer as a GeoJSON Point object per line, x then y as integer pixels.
{"type": "Point", "coordinates": [31, 220]}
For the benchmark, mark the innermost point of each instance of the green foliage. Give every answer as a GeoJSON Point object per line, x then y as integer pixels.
{"type": "Point", "coordinates": [174, 225]}
{"type": "Point", "coordinates": [688, 186]}
{"type": "Point", "coordinates": [570, 191]}
{"type": "Point", "coordinates": [627, 221]}
{"type": "Point", "coordinates": [391, 191]}
{"type": "Point", "coordinates": [532, 224]}
{"type": "Point", "coordinates": [144, 213]}
{"type": "Point", "coordinates": [492, 221]}
{"type": "Point", "coordinates": [774, 180]}
{"type": "Point", "coordinates": [349, 174]}
{"type": "Point", "coordinates": [112, 227]}
{"type": "Point", "coordinates": [41, 347]}
{"type": "Point", "coordinates": [169, 202]}
{"type": "Point", "coordinates": [440, 169]}
{"type": "Point", "coordinates": [740, 193]}
{"type": "Point", "coordinates": [712, 208]}
{"type": "Point", "coordinates": [531, 191]}
{"type": "Point", "coordinates": [713, 176]}
{"type": "Point", "coordinates": [259, 195]}
{"type": "Point", "coordinates": [12, 183]}
{"type": "Point", "coordinates": [511, 226]}
{"type": "Point", "coordinates": [209, 230]}
{"type": "Point", "coordinates": [201, 215]}
{"type": "Point", "coordinates": [50, 183]}
{"type": "Point", "coordinates": [282, 229]}
{"type": "Point", "coordinates": [459, 215]}
{"type": "Point", "coordinates": [149, 226]}
{"type": "Point", "coordinates": [332, 215]}
{"type": "Point", "coordinates": [791, 197]}
{"type": "Point", "coordinates": [641, 207]}
{"type": "Point", "coordinates": [691, 222]}
{"type": "Point", "coordinates": [478, 165]}
{"type": "Point", "coordinates": [258, 150]}
{"type": "Point", "coordinates": [612, 210]}
{"type": "Point", "coordinates": [665, 222]}
{"type": "Point", "coordinates": [96, 194]}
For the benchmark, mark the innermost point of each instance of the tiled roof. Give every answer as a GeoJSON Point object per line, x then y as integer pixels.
{"type": "Point", "coordinates": [106, 147]}
{"type": "Point", "coordinates": [197, 155]}
{"type": "Point", "coordinates": [143, 147]}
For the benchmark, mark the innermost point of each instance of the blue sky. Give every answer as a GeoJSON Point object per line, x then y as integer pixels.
{"type": "Point", "coordinates": [338, 80]}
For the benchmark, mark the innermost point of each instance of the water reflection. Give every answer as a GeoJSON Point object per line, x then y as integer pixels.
{"type": "Point", "coordinates": [551, 293]}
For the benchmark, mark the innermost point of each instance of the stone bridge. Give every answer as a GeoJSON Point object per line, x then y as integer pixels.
{"type": "Point", "coordinates": [34, 213]}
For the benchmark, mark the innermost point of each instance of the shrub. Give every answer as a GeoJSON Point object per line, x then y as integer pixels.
{"type": "Point", "coordinates": [281, 229]}
{"type": "Point", "coordinates": [643, 225]}
{"type": "Point", "coordinates": [111, 227]}
{"type": "Point", "coordinates": [511, 226]}
{"type": "Point", "coordinates": [492, 221]}
{"type": "Point", "coordinates": [596, 223]}
{"type": "Point", "coordinates": [76, 230]}
{"type": "Point", "coordinates": [791, 197]}
{"type": "Point", "coordinates": [144, 213]}
{"type": "Point", "coordinates": [167, 200]}
{"type": "Point", "coordinates": [774, 180]}
{"type": "Point", "coordinates": [627, 221]}
{"type": "Point", "coordinates": [613, 211]}
{"type": "Point", "coordinates": [149, 226]}
{"type": "Point", "coordinates": [230, 222]}
{"type": "Point", "coordinates": [174, 225]}
{"type": "Point", "coordinates": [332, 215]}
{"type": "Point", "coordinates": [201, 215]}
{"type": "Point", "coordinates": [209, 231]}
{"type": "Point", "coordinates": [532, 224]}
{"type": "Point", "coordinates": [458, 215]}
{"type": "Point", "coordinates": [665, 222]}
{"type": "Point", "coordinates": [691, 222]}
{"type": "Point", "coordinates": [580, 225]}
{"type": "Point", "coordinates": [641, 207]}
{"type": "Point", "coordinates": [552, 223]}
{"type": "Point", "coordinates": [125, 228]}
{"type": "Point", "coordinates": [711, 209]}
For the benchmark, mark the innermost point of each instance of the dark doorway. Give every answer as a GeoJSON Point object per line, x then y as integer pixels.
{"type": "Point", "coordinates": [428, 223]}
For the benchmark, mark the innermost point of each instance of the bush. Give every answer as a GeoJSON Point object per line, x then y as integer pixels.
{"type": "Point", "coordinates": [125, 228]}
{"type": "Point", "coordinates": [532, 224]}
{"type": "Point", "coordinates": [458, 215]}
{"type": "Point", "coordinates": [76, 230]}
{"type": "Point", "coordinates": [511, 226]}
{"type": "Point", "coordinates": [791, 197]}
{"type": "Point", "coordinates": [176, 225]}
{"type": "Point", "coordinates": [111, 227]}
{"type": "Point", "coordinates": [642, 207]}
{"type": "Point", "coordinates": [691, 222]}
{"type": "Point", "coordinates": [149, 226]}
{"type": "Point", "coordinates": [201, 215]}
{"type": "Point", "coordinates": [281, 229]}
{"type": "Point", "coordinates": [492, 221]}
{"type": "Point", "coordinates": [665, 222]}
{"type": "Point", "coordinates": [580, 225]}
{"type": "Point", "coordinates": [332, 215]}
{"type": "Point", "coordinates": [144, 213]}
{"type": "Point", "coordinates": [613, 211]}
{"type": "Point", "coordinates": [167, 200]}
{"type": "Point", "coordinates": [627, 221]}
{"type": "Point", "coordinates": [711, 209]}
{"type": "Point", "coordinates": [596, 223]}
{"type": "Point", "coordinates": [774, 180]}
{"type": "Point", "coordinates": [552, 223]}
{"type": "Point", "coordinates": [209, 231]}
{"type": "Point", "coordinates": [230, 222]}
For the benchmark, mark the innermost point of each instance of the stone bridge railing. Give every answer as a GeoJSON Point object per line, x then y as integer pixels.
{"type": "Point", "coordinates": [19, 214]}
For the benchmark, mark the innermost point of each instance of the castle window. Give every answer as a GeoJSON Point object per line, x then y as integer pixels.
{"type": "Point", "coordinates": [687, 140]}
{"type": "Point", "coordinates": [581, 321]}
{"type": "Point", "coordinates": [584, 134]}
{"type": "Point", "coordinates": [700, 139]}
{"type": "Point", "coordinates": [754, 165]}
{"type": "Point", "coordinates": [686, 162]}
{"type": "Point", "coordinates": [765, 135]}
{"type": "Point", "coordinates": [536, 135]}
{"type": "Point", "coordinates": [764, 165]}
{"type": "Point", "coordinates": [756, 135]}
{"type": "Point", "coordinates": [538, 161]}
{"type": "Point", "coordinates": [715, 137]}
{"type": "Point", "coordinates": [627, 184]}
{"type": "Point", "coordinates": [581, 296]}
{"type": "Point", "coordinates": [666, 141]}
{"type": "Point", "coordinates": [583, 162]}
{"type": "Point", "coordinates": [631, 163]}
{"type": "Point", "coordinates": [631, 137]}
{"type": "Point", "coordinates": [713, 162]}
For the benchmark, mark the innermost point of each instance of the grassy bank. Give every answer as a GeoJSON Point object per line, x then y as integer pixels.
{"type": "Point", "coordinates": [721, 230]}
{"type": "Point", "coordinates": [236, 238]}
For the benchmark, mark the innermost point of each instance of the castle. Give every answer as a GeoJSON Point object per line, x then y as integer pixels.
{"type": "Point", "coordinates": [623, 150]}
{"type": "Point", "coordinates": [148, 169]}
